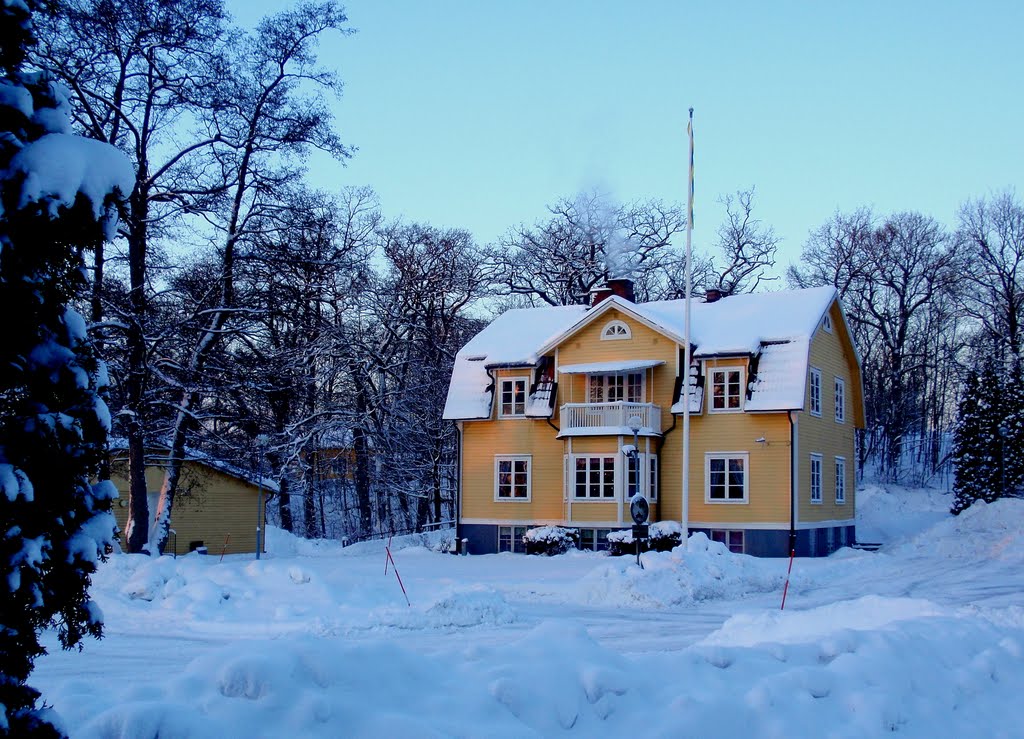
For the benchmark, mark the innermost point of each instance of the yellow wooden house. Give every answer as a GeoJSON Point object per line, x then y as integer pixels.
{"type": "Point", "coordinates": [546, 401]}
{"type": "Point", "coordinates": [218, 506]}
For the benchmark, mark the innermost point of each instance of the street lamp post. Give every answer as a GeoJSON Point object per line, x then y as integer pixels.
{"type": "Point", "coordinates": [639, 508]}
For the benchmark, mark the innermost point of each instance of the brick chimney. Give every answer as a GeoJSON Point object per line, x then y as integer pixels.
{"type": "Point", "coordinates": [712, 295]}
{"type": "Point", "coordinates": [623, 287]}
{"type": "Point", "coordinates": [598, 294]}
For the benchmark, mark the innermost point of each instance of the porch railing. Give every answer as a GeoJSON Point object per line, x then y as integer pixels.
{"type": "Point", "coordinates": [581, 416]}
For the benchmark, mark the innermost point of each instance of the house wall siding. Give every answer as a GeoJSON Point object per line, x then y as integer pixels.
{"type": "Point", "coordinates": [483, 440]}
{"type": "Point", "coordinates": [210, 506]}
{"type": "Point", "coordinates": [832, 354]}
{"type": "Point", "coordinates": [769, 466]}
{"type": "Point", "coordinates": [586, 346]}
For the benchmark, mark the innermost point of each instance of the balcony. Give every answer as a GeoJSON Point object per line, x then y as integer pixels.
{"type": "Point", "coordinates": [609, 419]}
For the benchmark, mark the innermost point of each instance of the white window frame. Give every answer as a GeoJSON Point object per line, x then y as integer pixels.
{"type": "Point", "coordinates": [516, 543]}
{"type": "Point", "coordinates": [712, 372]}
{"type": "Point", "coordinates": [586, 497]}
{"type": "Point", "coordinates": [513, 458]}
{"type": "Point", "coordinates": [826, 323]}
{"type": "Point", "coordinates": [606, 385]}
{"type": "Point", "coordinates": [815, 489]}
{"type": "Point", "coordinates": [840, 394]}
{"type": "Point", "coordinates": [616, 331]}
{"type": "Point", "coordinates": [649, 468]}
{"type": "Point", "coordinates": [725, 535]}
{"type": "Point", "coordinates": [840, 480]}
{"type": "Point", "coordinates": [727, 456]}
{"type": "Point", "coordinates": [598, 539]}
{"type": "Point", "coordinates": [501, 396]}
{"type": "Point", "coordinates": [814, 390]}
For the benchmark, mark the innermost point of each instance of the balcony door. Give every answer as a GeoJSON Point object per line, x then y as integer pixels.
{"type": "Point", "coordinates": [612, 388]}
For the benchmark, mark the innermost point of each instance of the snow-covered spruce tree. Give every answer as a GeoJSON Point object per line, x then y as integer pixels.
{"type": "Point", "coordinates": [988, 438]}
{"type": "Point", "coordinates": [56, 193]}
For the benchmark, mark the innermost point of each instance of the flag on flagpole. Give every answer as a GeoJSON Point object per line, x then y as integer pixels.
{"type": "Point", "coordinates": [689, 131]}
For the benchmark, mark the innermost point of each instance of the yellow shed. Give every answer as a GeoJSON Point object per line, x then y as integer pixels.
{"type": "Point", "coordinates": [218, 506]}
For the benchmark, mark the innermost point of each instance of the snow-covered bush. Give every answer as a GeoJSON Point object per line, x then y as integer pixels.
{"type": "Point", "coordinates": [550, 540]}
{"type": "Point", "coordinates": [664, 537]}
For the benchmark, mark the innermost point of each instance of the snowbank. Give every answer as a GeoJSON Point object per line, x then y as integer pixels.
{"type": "Point", "coordinates": [938, 674]}
{"type": "Point", "coordinates": [702, 570]}
{"type": "Point", "coordinates": [925, 638]}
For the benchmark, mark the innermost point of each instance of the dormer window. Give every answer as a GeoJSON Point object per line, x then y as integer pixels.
{"type": "Point", "coordinates": [616, 331]}
{"type": "Point", "coordinates": [512, 397]}
{"type": "Point", "coordinates": [726, 389]}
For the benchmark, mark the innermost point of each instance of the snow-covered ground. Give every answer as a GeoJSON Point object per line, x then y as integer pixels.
{"type": "Point", "coordinates": [924, 637]}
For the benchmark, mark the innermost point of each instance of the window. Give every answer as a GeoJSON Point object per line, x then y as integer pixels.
{"type": "Point", "coordinates": [616, 331]}
{"type": "Point", "coordinates": [732, 539]}
{"type": "Point", "coordinates": [726, 389]}
{"type": "Point", "coordinates": [840, 400]}
{"type": "Point", "coordinates": [594, 478]}
{"type": "Point", "coordinates": [725, 477]}
{"type": "Point", "coordinates": [512, 478]}
{"type": "Point", "coordinates": [826, 323]}
{"type": "Point", "coordinates": [829, 540]}
{"type": "Point", "coordinates": [510, 539]}
{"type": "Point", "coordinates": [612, 388]}
{"type": "Point", "coordinates": [595, 540]}
{"type": "Point", "coordinates": [652, 480]}
{"type": "Point", "coordinates": [840, 480]}
{"type": "Point", "coordinates": [651, 491]}
{"type": "Point", "coordinates": [512, 402]}
{"type": "Point", "coordinates": [815, 388]}
{"type": "Point", "coordinates": [815, 478]}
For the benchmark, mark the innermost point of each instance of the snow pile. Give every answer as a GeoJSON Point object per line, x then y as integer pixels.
{"type": "Point", "coordinates": [476, 606]}
{"type": "Point", "coordinates": [993, 531]}
{"type": "Point", "coordinates": [889, 514]}
{"type": "Point", "coordinates": [702, 570]}
{"type": "Point", "coordinates": [281, 543]}
{"type": "Point", "coordinates": [925, 638]}
{"type": "Point", "coordinates": [916, 670]}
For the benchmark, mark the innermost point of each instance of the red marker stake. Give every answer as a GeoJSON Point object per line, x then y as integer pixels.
{"type": "Point", "coordinates": [388, 550]}
{"type": "Point", "coordinates": [786, 588]}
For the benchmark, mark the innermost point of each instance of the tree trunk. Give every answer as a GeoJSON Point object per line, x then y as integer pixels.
{"type": "Point", "coordinates": [137, 371]}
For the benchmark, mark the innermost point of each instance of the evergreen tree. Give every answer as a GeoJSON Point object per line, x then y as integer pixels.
{"type": "Point", "coordinates": [988, 438]}
{"type": "Point", "coordinates": [56, 194]}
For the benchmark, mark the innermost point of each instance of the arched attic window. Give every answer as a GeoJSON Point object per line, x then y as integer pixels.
{"type": "Point", "coordinates": [616, 331]}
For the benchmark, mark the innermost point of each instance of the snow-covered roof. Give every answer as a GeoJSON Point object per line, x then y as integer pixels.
{"type": "Point", "coordinates": [120, 444]}
{"type": "Point", "coordinates": [781, 370]}
{"type": "Point", "coordinates": [620, 366]}
{"type": "Point", "coordinates": [776, 325]}
{"type": "Point", "coordinates": [512, 339]}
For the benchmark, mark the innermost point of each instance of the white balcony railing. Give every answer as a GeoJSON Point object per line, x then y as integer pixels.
{"type": "Point", "coordinates": [615, 417]}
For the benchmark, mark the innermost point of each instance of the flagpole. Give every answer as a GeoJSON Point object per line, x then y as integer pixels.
{"type": "Point", "coordinates": [686, 342]}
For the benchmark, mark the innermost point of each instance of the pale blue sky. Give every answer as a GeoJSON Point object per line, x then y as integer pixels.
{"type": "Point", "coordinates": [477, 114]}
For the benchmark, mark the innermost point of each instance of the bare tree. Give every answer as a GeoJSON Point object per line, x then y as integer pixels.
{"type": "Point", "coordinates": [267, 122]}
{"type": "Point", "coordinates": [893, 277]}
{"type": "Point", "coordinates": [139, 72]}
{"type": "Point", "coordinates": [990, 239]}
{"type": "Point", "coordinates": [586, 240]}
{"type": "Point", "coordinates": [748, 246]}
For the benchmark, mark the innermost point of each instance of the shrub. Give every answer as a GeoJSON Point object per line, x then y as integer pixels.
{"type": "Point", "coordinates": [664, 537]}
{"type": "Point", "coordinates": [550, 540]}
